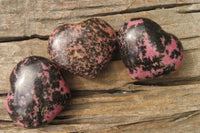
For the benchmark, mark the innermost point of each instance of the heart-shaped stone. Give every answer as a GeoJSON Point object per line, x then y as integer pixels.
{"type": "Point", "coordinates": [38, 92]}
{"type": "Point", "coordinates": [84, 48]}
{"type": "Point", "coordinates": [148, 51]}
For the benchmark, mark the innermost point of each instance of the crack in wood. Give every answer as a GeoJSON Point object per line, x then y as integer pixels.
{"type": "Point", "coordinates": [7, 121]}
{"type": "Point", "coordinates": [46, 37]}
{"type": "Point", "coordinates": [173, 118]}
{"type": "Point", "coordinates": [168, 82]}
{"type": "Point", "coordinates": [3, 94]}
{"type": "Point", "coordinates": [89, 7]}
{"type": "Point", "coordinates": [86, 93]}
{"type": "Point", "coordinates": [191, 11]}
{"type": "Point", "coordinates": [100, 6]}
{"type": "Point", "coordinates": [23, 38]}
{"type": "Point", "coordinates": [193, 49]}
{"type": "Point", "coordinates": [140, 9]}
{"type": "Point", "coordinates": [190, 37]}
{"type": "Point", "coordinates": [170, 119]}
{"type": "Point", "coordinates": [184, 115]}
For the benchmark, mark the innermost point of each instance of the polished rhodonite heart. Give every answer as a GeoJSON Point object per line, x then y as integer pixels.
{"type": "Point", "coordinates": [38, 92]}
{"type": "Point", "coordinates": [84, 48]}
{"type": "Point", "coordinates": [148, 51]}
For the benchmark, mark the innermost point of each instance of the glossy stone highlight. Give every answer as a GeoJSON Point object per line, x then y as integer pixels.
{"type": "Point", "coordinates": [147, 51]}
{"type": "Point", "coordinates": [38, 92]}
{"type": "Point", "coordinates": [84, 48]}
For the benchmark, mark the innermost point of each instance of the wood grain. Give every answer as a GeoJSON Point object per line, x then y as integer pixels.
{"type": "Point", "coordinates": [139, 108]}
{"type": "Point", "coordinates": [113, 102]}
{"type": "Point", "coordinates": [24, 18]}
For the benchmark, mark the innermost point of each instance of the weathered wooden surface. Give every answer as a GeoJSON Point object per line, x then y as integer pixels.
{"type": "Point", "coordinates": [113, 102]}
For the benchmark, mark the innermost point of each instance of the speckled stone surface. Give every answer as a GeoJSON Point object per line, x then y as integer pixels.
{"type": "Point", "coordinates": [84, 48]}
{"type": "Point", "coordinates": [147, 51]}
{"type": "Point", "coordinates": [38, 92]}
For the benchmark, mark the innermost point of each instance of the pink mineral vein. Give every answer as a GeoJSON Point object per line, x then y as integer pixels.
{"type": "Point", "coordinates": [35, 112]}
{"type": "Point", "coordinates": [7, 107]}
{"type": "Point", "coordinates": [26, 60]}
{"type": "Point", "coordinates": [44, 66]}
{"type": "Point", "coordinates": [46, 74]}
{"type": "Point", "coordinates": [163, 40]}
{"type": "Point", "coordinates": [168, 60]}
{"type": "Point", "coordinates": [64, 86]}
{"type": "Point", "coordinates": [150, 50]}
{"type": "Point", "coordinates": [140, 73]}
{"type": "Point", "coordinates": [52, 114]}
{"type": "Point", "coordinates": [19, 123]}
{"type": "Point", "coordinates": [135, 23]}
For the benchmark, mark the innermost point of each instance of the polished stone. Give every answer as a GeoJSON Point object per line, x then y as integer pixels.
{"type": "Point", "coordinates": [83, 49]}
{"type": "Point", "coordinates": [148, 51]}
{"type": "Point", "coordinates": [38, 92]}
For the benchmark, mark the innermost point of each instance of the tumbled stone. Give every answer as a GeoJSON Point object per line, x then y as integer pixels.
{"type": "Point", "coordinates": [84, 48]}
{"type": "Point", "coordinates": [38, 92]}
{"type": "Point", "coordinates": [148, 51]}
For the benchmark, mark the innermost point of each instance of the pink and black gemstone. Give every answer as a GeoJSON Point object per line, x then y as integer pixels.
{"type": "Point", "coordinates": [38, 92]}
{"type": "Point", "coordinates": [84, 48]}
{"type": "Point", "coordinates": [148, 51]}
